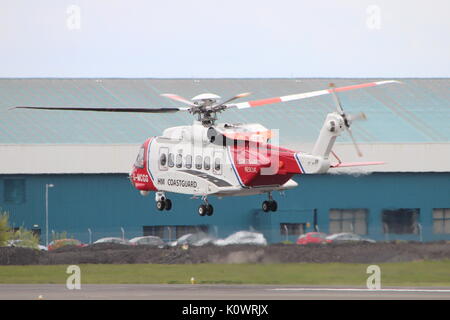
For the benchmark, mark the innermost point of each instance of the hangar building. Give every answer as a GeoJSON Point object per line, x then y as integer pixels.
{"type": "Point", "coordinates": [87, 157]}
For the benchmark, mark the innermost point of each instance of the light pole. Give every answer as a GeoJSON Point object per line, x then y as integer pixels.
{"type": "Point", "coordinates": [90, 235]}
{"type": "Point", "coordinates": [170, 233]}
{"type": "Point", "coordinates": [48, 185]}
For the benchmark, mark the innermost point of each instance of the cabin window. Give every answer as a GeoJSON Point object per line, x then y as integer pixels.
{"type": "Point", "coordinates": [179, 161]}
{"type": "Point", "coordinates": [171, 160]}
{"type": "Point", "coordinates": [198, 162]}
{"type": "Point", "coordinates": [162, 163]}
{"type": "Point", "coordinates": [140, 158]}
{"type": "Point", "coordinates": [207, 163]}
{"type": "Point", "coordinates": [188, 161]}
{"type": "Point", "coordinates": [217, 164]}
{"type": "Point", "coordinates": [217, 169]}
{"type": "Point", "coordinates": [163, 159]}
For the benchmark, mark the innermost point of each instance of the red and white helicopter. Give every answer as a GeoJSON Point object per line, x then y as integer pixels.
{"type": "Point", "coordinates": [225, 159]}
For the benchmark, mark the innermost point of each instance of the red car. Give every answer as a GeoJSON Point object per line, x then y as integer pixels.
{"type": "Point", "coordinates": [313, 237]}
{"type": "Point", "coordinates": [64, 242]}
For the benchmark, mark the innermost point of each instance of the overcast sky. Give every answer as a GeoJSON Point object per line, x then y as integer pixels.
{"type": "Point", "coordinates": [224, 38]}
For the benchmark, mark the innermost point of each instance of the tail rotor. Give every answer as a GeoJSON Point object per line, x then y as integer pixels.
{"type": "Point", "coordinates": [348, 119]}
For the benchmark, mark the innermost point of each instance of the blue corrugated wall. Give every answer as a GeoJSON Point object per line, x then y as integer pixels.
{"type": "Point", "coordinates": [105, 203]}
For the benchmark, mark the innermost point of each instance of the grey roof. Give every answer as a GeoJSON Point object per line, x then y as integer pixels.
{"type": "Point", "coordinates": [417, 111]}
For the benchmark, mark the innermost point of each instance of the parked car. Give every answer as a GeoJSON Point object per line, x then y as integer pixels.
{"type": "Point", "coordinates": [112, 240]}
{"type": "Point", "coordinates": [148, 240]}
{"type": "Point", "coordinates": [313, 237]}
{"type": "Point", "coordinates": [243, 237]}
{"type": "Point", "coordinates": [195, 239]}
{"type": "Point", "coordinates": [26, 244]}
{"type": "Point", "coordinates": [348, 237]}
{"type": "Point", "coordinates": [55, 244]}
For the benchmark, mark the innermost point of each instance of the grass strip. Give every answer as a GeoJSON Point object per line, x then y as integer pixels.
{"type": "Point", "coordinates": [418, 273]}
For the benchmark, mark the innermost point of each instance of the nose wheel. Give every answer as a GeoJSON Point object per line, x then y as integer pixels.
{"type": "Point", "coordinates": [162, 203]}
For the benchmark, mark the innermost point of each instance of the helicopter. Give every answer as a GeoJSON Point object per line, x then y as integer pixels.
{"type": "Point", "coordinates": [209, 158]}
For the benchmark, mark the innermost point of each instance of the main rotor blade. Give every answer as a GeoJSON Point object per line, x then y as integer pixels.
{"type": "Point", "coordinates": [238, 96]}
{"type": "Point", "coordinates": [134, 110]}
{"type": "Point", "coordinates": [358, 151]}
{"type": "Point", "coordinates": [178, 98]}
{"type": "Point", "coordinates": [305, 95]}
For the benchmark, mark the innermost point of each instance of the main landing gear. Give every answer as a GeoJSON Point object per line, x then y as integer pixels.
{"type": "Point", "coordinates": [162, 203]}
{"type": "Point", "coordinates": [205, 209]}
{"type": "Point", "coordinates": [269, 205]}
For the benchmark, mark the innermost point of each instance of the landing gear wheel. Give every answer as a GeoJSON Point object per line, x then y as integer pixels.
{"type": "Point", "coordinates": [202, 210]}
{"type": "Point", "coordinates": [269, 205]}
{"type": "Point", "coordinates": [168, 204]}
{"type": "Point", "coordinates": [160, 205]}
{"type": "Point", "coordinates": [266, 206]}
{"type": "Point", "coordinates": [209, 210]}
{"type": "Point", "coordinates": [273, 205]}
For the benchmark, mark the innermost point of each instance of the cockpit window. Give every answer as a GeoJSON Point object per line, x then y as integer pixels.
{"type": "Point", "coordinates": [140, 158]}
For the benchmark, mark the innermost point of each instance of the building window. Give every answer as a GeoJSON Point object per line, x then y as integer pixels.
{"type": "Point", "coordinates": [441, 220]}
{"type": "Point", "coordinates": [401, 221]}
{"type": "Point", "coordinates": [14, 191]}
{"type": "Point", "coordinates": [292, 229]}
{"type": "Point", "coordinates": [348, 220]}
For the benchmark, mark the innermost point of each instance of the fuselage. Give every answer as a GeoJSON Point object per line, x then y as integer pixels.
{"type": "Point", "coordinates": [238, 160]}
